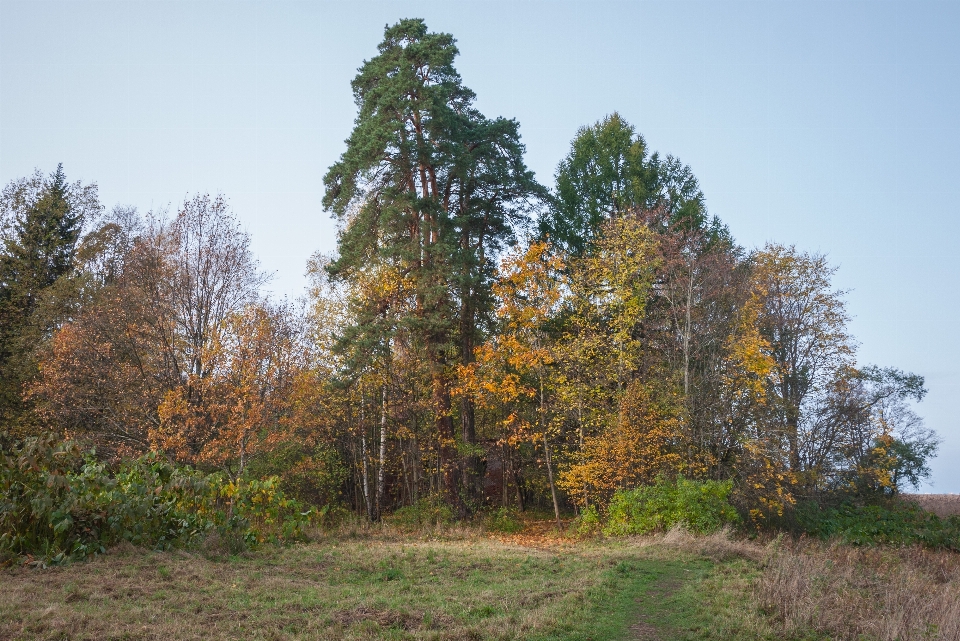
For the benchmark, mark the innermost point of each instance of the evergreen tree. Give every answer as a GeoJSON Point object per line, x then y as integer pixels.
{"type": "Point", "coordinates": [37, 253]}
{"type": "Point", "coordinates": [427, 191]}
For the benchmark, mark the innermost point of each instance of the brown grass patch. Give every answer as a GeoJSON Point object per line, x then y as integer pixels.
{"type": "Point", "coordinates": [943, 505]}
{"type": "Point", "coordinates": [886, 594]}
{"type": "Point", "coordinates": [720, 546]}
{"type": "Point", "coordinates": [844, 592]}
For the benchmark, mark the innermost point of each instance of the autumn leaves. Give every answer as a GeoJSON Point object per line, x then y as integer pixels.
{"type": "Point", "coordinates": [477, 337]}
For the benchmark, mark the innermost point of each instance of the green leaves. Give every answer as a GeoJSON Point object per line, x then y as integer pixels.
{"type": "Point", "coordinates": [146, 501]}
{"type": "Point", "coordinates": [607, 174]}
{"type": "Point", "coordinates": [427, 189]}
{"type": "Point", "coordinates": [894, 523]}
{"type": "Point", "coordinates": [700, 506]}
{"type": "Point", "coordinates": [42, 220]}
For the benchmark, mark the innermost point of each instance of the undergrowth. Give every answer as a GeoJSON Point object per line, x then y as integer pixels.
{"type": "Point", "coordinates": [891, 522]}
{"type": "Point", "coordinates": [57, 502]}
{"type": "Point", "coordinates": [700, 506]}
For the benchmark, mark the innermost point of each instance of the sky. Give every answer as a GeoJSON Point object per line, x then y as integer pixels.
{"type": "Point", "coordinates": [829, 125]}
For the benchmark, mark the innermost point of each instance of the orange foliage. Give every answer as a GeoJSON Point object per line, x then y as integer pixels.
{"type": "Point", "coordinates": [510, 370]}
{"type": "Point", "coordinates": [242, 405]}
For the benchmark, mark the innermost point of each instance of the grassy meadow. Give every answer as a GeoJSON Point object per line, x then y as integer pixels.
{"type": "Point", "coordinates": [461, 583]}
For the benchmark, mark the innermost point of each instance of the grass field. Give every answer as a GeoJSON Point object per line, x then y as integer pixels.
{"type": "Point", "coordinates": [382, 587]}
{"type": "Point", "coordinates": [458, 584]}
{"type": "Point", "coordinates": [943, 505]}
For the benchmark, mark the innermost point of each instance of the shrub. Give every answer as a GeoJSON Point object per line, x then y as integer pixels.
{"type": "Point", "coordinates": [894, 522]}
{"type": "Point", "coordinates": [259, 509]}
{"type": "Point", "coordinates": [701, 506]}
{"type": "Point", "coordinates": [504, 520]}
{"type": "Point", "coordinates": [427, 511]}
{"type": "Point", "coordinates": [587, 523]}
{"type": "Point", "coordinates": [313, 475]}
{"type": "Point", "coordinates": [58, 502]}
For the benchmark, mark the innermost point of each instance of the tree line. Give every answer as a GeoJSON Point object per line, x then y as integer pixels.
{"type": "Point", "coordinates": [477, 338]}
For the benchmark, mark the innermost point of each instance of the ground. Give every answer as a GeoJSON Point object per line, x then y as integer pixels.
{"type": "Point", "coordinates": [380, 582]}
{"type": "Point", "coordinates": [456, 585]}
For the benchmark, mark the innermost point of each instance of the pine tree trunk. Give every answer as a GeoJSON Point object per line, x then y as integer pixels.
{"type": "Point", "coordinates": [449, 469]}
{"type": "Point", "coordinates": [472, 467]}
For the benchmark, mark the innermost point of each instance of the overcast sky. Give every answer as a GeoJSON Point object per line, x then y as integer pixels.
{"type": "Point", "coordinates": [829, 125]}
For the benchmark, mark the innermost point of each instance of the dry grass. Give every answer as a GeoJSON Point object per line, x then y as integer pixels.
{"type": "Point", "coordinates": [842, 592]}
{"type": "Point", "coordinates": [854, 593]}
{"type": "Point", "coordinates": [943, 505]}
{"type": "Point", "coordinates": [720, 546]}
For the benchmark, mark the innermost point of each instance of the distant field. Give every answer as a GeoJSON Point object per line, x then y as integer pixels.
{"type": "Point", "coordinates": [462, 585]}
{"type": "Point", "coordinates": [940, 504]}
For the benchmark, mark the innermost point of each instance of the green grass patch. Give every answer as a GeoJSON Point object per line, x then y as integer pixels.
{"type": "Point", "coordinates": [378, 588]}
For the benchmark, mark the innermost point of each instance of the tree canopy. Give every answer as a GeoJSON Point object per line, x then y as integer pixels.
{"type": "Point", "coordinates": [476, 340]}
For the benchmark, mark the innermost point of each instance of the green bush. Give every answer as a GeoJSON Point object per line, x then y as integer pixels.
{"type": "Point", "coordinates": [259, 509]}
{"type": "Point", "coordinates": [700, 506]}
{"type": "Point", "coordinates": [587, 523]}
{"type": "Point", "coordinates": [504, 520]}
{"type": "Point", "coordinates": [428, 511]}
{"type": "Point", "coordinates": [894, 522]}
{"type": "Point", "coordinates": [58, 502]}
{"type": "Point", "coordinates": [311, 474]}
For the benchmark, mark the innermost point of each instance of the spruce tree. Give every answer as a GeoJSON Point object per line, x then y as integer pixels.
{"type": "Point", "coordinates": [36, 253]}
{"type": "Point", "coordinates": [608, 173]}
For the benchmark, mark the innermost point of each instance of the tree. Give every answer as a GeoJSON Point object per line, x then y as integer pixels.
{"type": "Point", "coordinates": [608, 173]}
{"type": "Point", "coordinates": [247, 391]}
{"type": "Point", "coordinates": [42, 221]}
{"type": "Point", "coordinates": [699, 287]}
{"type": "Point", "coordinates": [511, 373]}
{"type": "Point", "coordinates": [427, 190]}
{"type": "Point", "coordinates": [213, 274]}
{"type": "Point", "coordinates": [699, 281]}
{"type": "Point", "coordinates": [869, 440]}
{"type": "Point", "coordinates": [626, 417]}
{"type": "Point", "coordinates": [149, 330]}
{"type": "Point", "coordinates": [106, 371]}
{"type": "Point", "coordinates": [910, 443]}
{"type": "Point", "coordinates": [744, 443]}
{"type": "Point", "coordinates": [843, 429]}
{"type": "Point", "coordinates": [803, 322]}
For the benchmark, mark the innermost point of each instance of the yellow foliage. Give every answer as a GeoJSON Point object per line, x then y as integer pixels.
{"type": "Point", "coordinates": [639, 444]}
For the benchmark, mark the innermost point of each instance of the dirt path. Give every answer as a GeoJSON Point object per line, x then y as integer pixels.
{"type": "Point", "coordinates": [644, 629]}
{"type": "Point", "coordinates": [653, 608]}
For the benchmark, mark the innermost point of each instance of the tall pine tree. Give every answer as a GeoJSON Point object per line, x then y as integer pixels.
{"type": "Point", "coordinates": [428, 190]}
